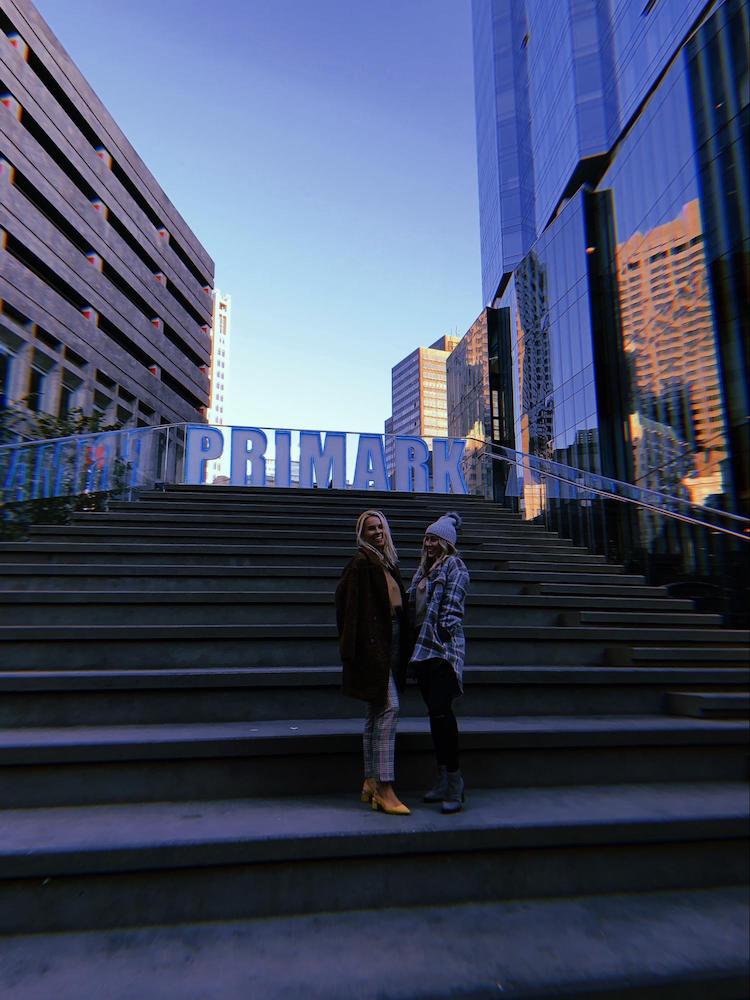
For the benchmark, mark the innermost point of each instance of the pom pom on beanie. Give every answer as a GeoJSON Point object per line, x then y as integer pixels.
{"type": "Point", "coordinates": [446, 527]}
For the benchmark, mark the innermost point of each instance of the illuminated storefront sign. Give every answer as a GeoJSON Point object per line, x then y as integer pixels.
{"type": "Point", "coordinates": [322, 459]}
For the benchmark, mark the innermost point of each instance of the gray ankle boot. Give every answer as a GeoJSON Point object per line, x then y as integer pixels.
{"type": "Point", "coordinates": [438, 790]}
{"type": "Point", "coordinates": [454, 794]}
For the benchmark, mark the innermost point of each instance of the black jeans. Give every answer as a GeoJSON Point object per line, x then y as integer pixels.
{"type": "Point", "coordinates": [439, 686]}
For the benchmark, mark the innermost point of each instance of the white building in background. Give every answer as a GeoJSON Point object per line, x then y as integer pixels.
{"type": "Point", "coordinates": [222, 322]}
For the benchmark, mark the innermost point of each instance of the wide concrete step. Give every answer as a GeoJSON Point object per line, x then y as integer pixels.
{"type": "Point", "coordinates": [106, 646]}
{"type": "Point", "coordinates": [562, 586]}
{"type": "Point", "coordinates": [325, 528]}
{"type": "Point", "coordinates": [133, 697]}
{"type": "Point", "coordinates": [227, 607]}
{"type": "Point", "coordinates": [343, 512]}
{"type": "Point", "coordinates": [701, 654]}
{"type": "Point", "coordinates": [165, 575]}
{"type": "Point", "coordinates": [552, 548]}
{"type": "Point", "coordinates": [709, 704]}
{"type": "Point", "coordinates": [182, 762]}
{"type": "Point", "coordinates": [541, 563]}
{"type": "Point", "coordinates": [280, 553]}
{"type": "Point", "coordinates": [158, 863]}
{"type": "Point", "coordinates": [689, 943]}
{"type": "Point", "coordinates": [649, 616]}
{"type": "Point", "coordinates": [299, 515]}
{"type": "Point", "coordinates": [162, 862]}
{"type": "Point", "coordinates": [356, 499]}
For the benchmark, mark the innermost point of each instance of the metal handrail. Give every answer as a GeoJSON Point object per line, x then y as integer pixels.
{"type": "Point", "coordinates": [609, 479]}
{"type": "Point", "coordinates": [641, 504]}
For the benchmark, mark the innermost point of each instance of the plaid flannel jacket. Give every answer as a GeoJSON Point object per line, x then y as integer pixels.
{"type": "Point", "coordinates": [441, 634]}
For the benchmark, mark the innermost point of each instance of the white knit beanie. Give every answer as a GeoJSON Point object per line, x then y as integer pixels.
{"type": "Point", "coordinates": [446, 526]}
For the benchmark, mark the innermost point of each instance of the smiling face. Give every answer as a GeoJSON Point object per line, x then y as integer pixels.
{"type": "Point", "coordinates": [432, 547]}
{"type": "Point", "coordinates": [373, 532]}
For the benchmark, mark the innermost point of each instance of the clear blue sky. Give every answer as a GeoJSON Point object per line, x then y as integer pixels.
{"type": "Point", "coordinates": [324, 153]}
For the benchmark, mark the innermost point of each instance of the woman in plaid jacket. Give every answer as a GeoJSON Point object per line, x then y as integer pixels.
{"type": "Point", "coordinates": [436, 599]}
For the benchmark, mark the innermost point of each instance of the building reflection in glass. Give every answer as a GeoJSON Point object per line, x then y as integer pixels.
{"type": "Point", "coordinates": [552, 353]}
{"type": "Point", "coordinates": [677, 417]}
{"type": "Point", "coordinates": [534, 357]}
{"type": "Point", "coordinates": [480, 405]}
{"type": "Point", "coordinates": [535, 376]}
{"type": "Point", "coordinates": [629, 310]}
{"type": "Point", "coordinates": [468, 385]}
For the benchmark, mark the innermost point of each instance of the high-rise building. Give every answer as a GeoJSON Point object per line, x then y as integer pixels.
{"type": "Point", "coordinates": [105, 290]}
{"type": "Point", "coordinates": [612, 140]}
{"type": "Point", "coordinates": [418, 395]}
{"type": "Point", "coordinates": [220, 331]}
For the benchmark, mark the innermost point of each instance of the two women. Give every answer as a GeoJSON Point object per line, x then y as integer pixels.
{"type": "Point", "coordinates": [375, 654]}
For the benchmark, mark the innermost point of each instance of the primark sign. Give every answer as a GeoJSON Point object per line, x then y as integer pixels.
{"type": "Point", "coordinates": [127, 460]}
{"type": "Point", "coordinates": [325, 459]}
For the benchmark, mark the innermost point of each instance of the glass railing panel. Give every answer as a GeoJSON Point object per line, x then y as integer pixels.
{"type": "Point", "coordinates": [696, 551]}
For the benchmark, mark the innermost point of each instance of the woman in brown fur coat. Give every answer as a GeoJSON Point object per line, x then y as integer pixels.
{"type": "Point", "coordinates": [375, 649]}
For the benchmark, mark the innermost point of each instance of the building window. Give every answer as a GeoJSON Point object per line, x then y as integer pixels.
{"type": "Point", "coordinates": [5, 368]}
{"type": "Point", "coordinates": [66, 399]}
{"type": "Point", "coordinates": [36, 390]}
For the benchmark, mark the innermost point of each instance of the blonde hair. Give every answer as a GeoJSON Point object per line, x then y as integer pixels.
{"type": "Point", "coordinates": [446, 550]}
{"type": "Point", "coordinates": [389, 554]}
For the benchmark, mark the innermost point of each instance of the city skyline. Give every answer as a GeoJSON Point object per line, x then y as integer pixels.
{"type": "Point", "coordinates": [335, 190]}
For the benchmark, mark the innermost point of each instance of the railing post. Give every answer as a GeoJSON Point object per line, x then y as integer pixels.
{"type": "Point", "coordinates": [165, 471]}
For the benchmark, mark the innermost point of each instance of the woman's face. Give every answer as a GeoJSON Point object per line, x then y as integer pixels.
{"type": "Point", "coordinates": [432, 546]}
{"type": "Point", "coordinates": [373, 532]}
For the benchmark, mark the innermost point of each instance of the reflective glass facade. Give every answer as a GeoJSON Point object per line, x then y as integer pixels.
{"type": "Point", "coordinates": [668, 326]}
{"type": "Point", "coordinates": [552, 351]}
{"type": "Point", "coordinates": [555, 86]}
{"type": "Point", "coordinates": [468, 392]}
{"type": "Point", "coordinates": [480, 399]}
{"type": "Point", "coordinates": [644, 38]}
{"type": "Point", "coordinates": [506, 168]}
{"type": "Point", "coordinates": [719, 84]}
{"type": "Point", "coordinates": [573, 115]}
{"type": "Point", "coordinates": [629, 310]}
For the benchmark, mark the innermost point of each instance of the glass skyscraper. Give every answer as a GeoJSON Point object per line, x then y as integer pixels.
{"type": "Point", "coordinates": [612, 144]}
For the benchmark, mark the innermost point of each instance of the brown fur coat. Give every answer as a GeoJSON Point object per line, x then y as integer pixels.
{"type": "Point", "coordinates": [363, 617]}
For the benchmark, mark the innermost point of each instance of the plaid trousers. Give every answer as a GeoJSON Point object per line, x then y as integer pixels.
{"type": "Point", "coordinates": [379, 739]}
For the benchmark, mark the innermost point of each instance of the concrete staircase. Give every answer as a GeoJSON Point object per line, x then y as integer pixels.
{"type": "Point", "coordinates": [175, 750]}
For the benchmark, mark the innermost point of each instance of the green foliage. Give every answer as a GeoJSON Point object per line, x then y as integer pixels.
{"type": "Point", "coordinates": [18, 421]}
{"type": "Point", "coordinates": [16, 517]}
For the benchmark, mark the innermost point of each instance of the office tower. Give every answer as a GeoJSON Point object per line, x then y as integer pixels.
{"type": "Point", "coordinates": [105, 291]}
{"type": "Point", "coordinates": [613, 184]}
{"type": "Point", "coordinates": [418, 391]}
{"type": "Point", "coordinates": [220, 331]}
{"type": "Point", "coordinates": [418, 395]}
